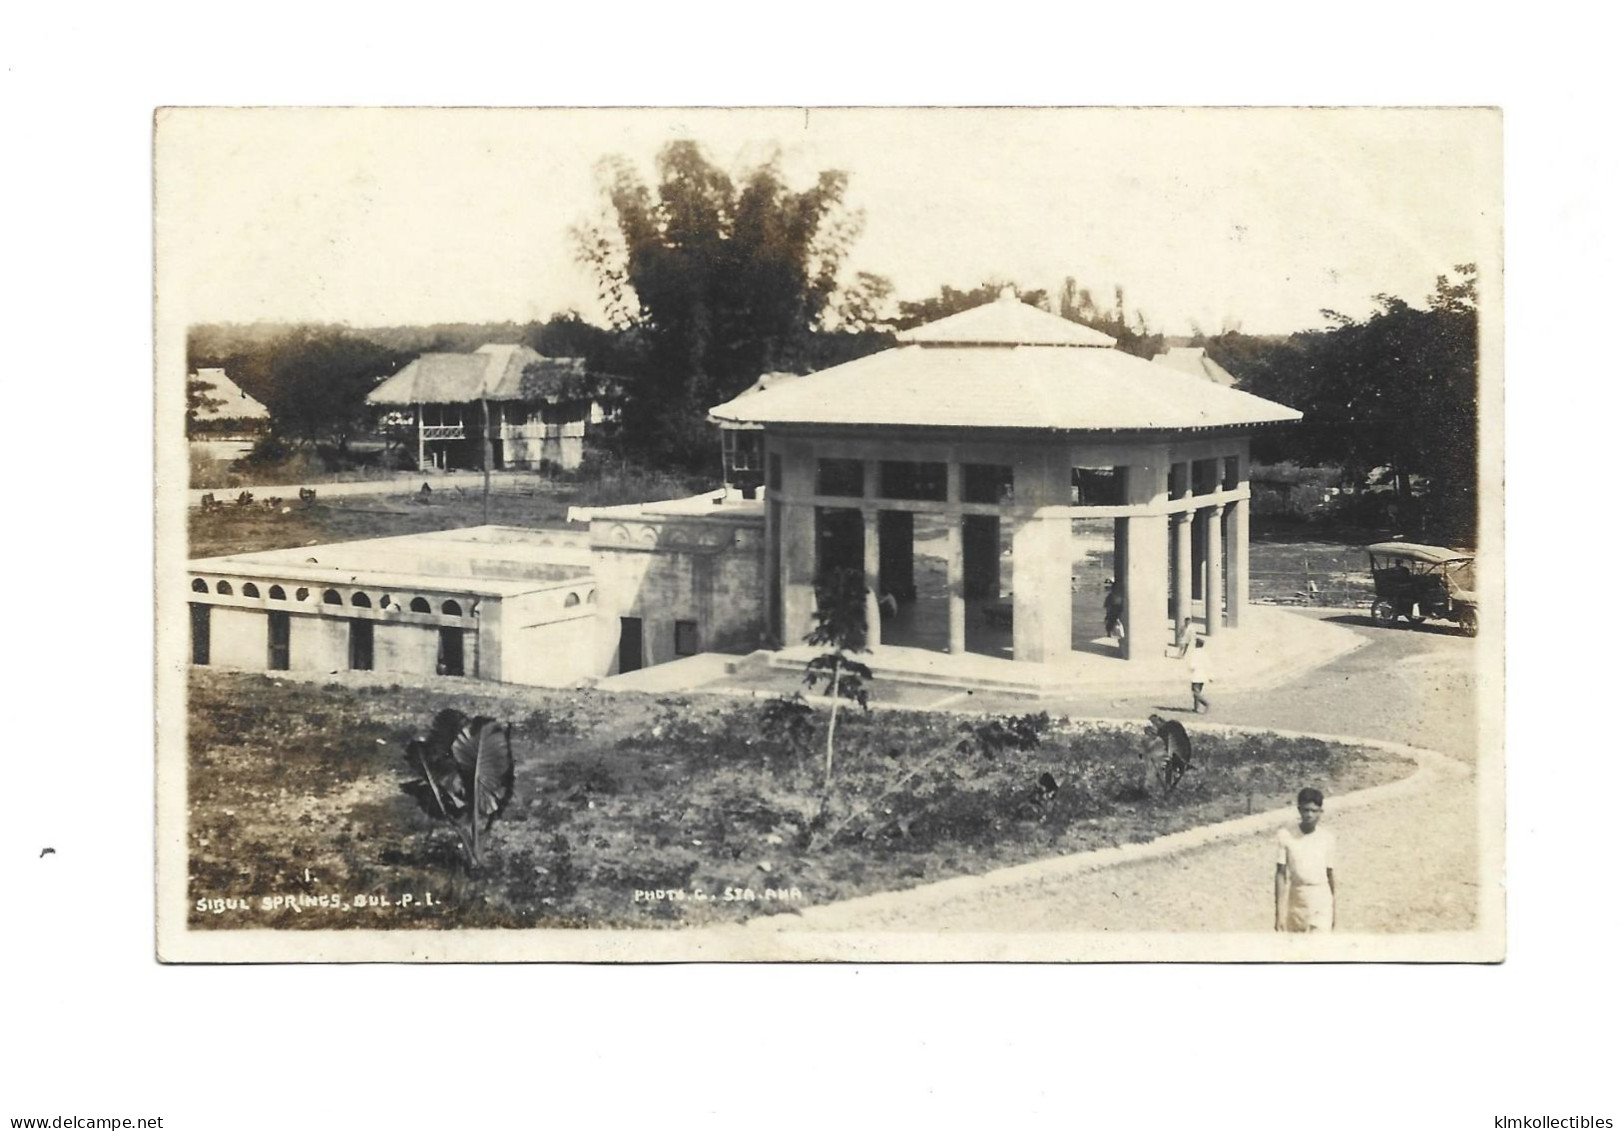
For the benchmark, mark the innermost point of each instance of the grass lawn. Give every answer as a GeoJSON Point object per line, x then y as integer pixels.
{"type": "Point", "coordinates": [295, 798]}
{"type": "Point", "coordinates": [238, 530]}
{"type": "Point", "coordinates": [346, 518]}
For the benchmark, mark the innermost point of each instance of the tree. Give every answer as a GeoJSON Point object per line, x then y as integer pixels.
{"type": "Point", "coordinates": [199, 401]}
{"type": "Point", "coordinates": [722, 280]}
{"type": "Point", "coordinates": [952, 301]}
{"type": "Point", "coordinates": [1397, 390]}
{"type": "Point", "coordinates": [1077, 305]}
{"type": "Point", "coordinates": [841, 624]}
{"type": "Point", "coordinates": [317, 381]}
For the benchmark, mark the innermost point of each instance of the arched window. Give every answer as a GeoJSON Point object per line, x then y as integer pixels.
{"type": "Point", "coordinates": [249, 589]}
{"type": "Point", "coordinates": [223, 587]}
{"type": "Point", "coordinates": [198, 585]}
{"type": "Point", "coordinates": [451, 609]}
{"type": "Point", "coordinates": [591, 597]}
{"type": "Point", "coordinates": [303, 594]}
{"type": "Point", "coordinates": [277, 593]}
{"type": "Point", "coordinates": [361, 601]}
{"type": "Point", "coordinates": [421, 605]}
{"type": "Point", "coordinates": [332, 597]}
{"type": "Point", "coordinates": [571, 600]}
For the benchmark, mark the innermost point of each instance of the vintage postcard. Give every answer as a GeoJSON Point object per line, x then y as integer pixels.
{"type": "Point", "coordinates": [784, 534]}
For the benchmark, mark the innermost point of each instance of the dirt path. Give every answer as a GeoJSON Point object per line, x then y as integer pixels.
{"type": "Point", "coordinates": [1406, 864]}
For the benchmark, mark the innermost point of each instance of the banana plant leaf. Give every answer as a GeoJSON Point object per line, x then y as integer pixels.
{"type": "Point", "coordinates": [483, 752]}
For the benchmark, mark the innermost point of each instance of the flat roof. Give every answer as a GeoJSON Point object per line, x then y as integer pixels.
{"type": "Point", "coordinates": [493, 560]}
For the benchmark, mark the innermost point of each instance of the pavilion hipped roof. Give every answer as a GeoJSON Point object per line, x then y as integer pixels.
{"type": "Point", "coordinates": [1005, 322]}
{"type": "Point", "coordinates": [968, 384]}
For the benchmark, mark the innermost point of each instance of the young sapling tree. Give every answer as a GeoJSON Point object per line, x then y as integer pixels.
{"type": "Point", "coordinates": [841, 625]}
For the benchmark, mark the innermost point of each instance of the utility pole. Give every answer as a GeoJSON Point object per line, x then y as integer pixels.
{"type": "Point", "coordinates": [484, 404]}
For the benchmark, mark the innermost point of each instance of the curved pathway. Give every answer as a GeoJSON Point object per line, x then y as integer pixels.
{"type": "Point", "coordinates": [1409, 861]}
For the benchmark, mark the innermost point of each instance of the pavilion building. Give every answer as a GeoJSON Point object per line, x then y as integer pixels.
{"type": "Point", "coordinates": [993, 431]}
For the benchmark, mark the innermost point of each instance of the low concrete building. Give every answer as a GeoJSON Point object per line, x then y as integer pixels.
{"type": "Point", "coordinates": [490, 602]}
{"type": "Point", "coordinates": [677, 578]}
{"type": "Point", "coordinates": [534, 410]}
{"type": "Point", "coordinates": [645, 585]}
{"type": "Point", "coordinates": [982, 439]}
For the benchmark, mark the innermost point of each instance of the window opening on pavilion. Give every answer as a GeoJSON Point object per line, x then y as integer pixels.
{"type": "Point", "coordinates": [839, 477]}
{"type": "Point", "coordinates": [332, 597]}
{"type": "Point", "coordinates": [421, 605]}
{"type": "Point", "coordinates": [361, 601]}
{"type": "Point", "coordinates": [1097, 486]}
{"type": "Point", "coordinates": [988, 483]}
{"type": "Point", "coordinates": [223, 588]}
{"type": "Point", "coordinates": [249, 589]}
{"type": "Point", "coordinates": [1230, 473]}
{"type": "Point", "coordinates": [905, 479]}
{"type": "Point", "coordinates": [360, 645]}
{"type": "Point", "coordinates": [280, 627]}
{"type": "Point", "coordinates": [740, 451]}
{"type": "Point", "coordinates": [198, 585]}
{"type": "Point", "coordinates": [839, 540]}
{"type": "Point", "coordinates": [277, 593]}
{"type": "Point", "coordinates": [1205, 476]}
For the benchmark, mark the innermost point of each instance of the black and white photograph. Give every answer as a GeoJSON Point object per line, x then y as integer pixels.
{"type": "Point", "coordinates": [769, 567]}
{"type": "Point", "coordinates": [829, 534]}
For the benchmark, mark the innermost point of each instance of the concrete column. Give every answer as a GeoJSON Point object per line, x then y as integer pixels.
{"type": "Point", "coordinates": [1121, 569]}
{"type": "Point", "coordinates": [799, 568]}
{"type": "Point", "coordinates": [870, 574]}
{"type": "Point", "coordinates": [1183, 579]}
{"type": "Point", "coordinates": [1145, 588]}
{"type": "Point", "coordinates": [420, 442]}
{"type": "Point", "coordinates": [1236, 547]}
{"type": "Point", "coordinates": [956, 616]}
{"type": "Point", "coordinates": [1212, 517]}
{"type": "Point", "coordinates": [1042, 599]}
{"type": "Point", "coordinates": [956, 632]}
{"type": "Point", "coordinates": [485, 662]}
{"type": "Point", "coordinates": [773, 572]}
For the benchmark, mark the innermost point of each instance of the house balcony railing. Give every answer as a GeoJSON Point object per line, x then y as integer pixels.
{"type": "Point", "coordinates": [540, 431]}
{"type": "Point", "coordinates": [443, 432]}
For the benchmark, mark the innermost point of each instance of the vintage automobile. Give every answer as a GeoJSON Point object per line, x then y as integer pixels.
{"type": "Point", "coordinates": [1420, 583]}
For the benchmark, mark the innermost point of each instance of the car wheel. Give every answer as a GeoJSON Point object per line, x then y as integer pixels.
{"type": "Point", "coordinates": [1468, 622]}
{"type": "Point", "coordinates": [1383, 612]}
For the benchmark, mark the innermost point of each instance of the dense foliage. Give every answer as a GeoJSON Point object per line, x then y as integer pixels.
{"type": "Point", "coordinates": [1396, 391]}
{"type": "Point", "coordinates": [721, 279]}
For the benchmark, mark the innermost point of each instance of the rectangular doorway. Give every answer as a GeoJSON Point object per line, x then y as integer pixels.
{"type": "Point", "coordinates": [451, 661]}
{"type": "Point", "coordinates": [360, 645]}
{"type": "Point", "coordinates": [199, 634]}
{"type": "Point", "coordinates": [280, 659]}
{"type": "Point", "coordinates": [630, 644]}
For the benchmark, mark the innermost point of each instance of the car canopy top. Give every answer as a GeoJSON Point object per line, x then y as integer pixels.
{"type": "Point", "coordinates": [1430, 555]}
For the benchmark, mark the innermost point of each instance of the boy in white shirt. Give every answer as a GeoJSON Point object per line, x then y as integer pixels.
{"type": "Point", "coordinates": [1304, 880]}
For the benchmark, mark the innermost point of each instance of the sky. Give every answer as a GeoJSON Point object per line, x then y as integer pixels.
{"type": "Point", "coordinates": [1208, 219]}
